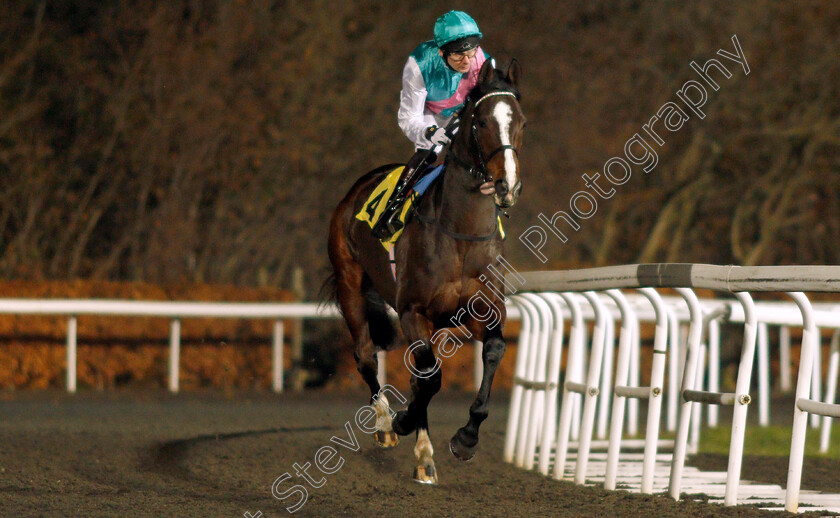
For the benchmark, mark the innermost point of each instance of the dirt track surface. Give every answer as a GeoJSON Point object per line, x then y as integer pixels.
{"type": "Point", "coordinates": [154, 454]}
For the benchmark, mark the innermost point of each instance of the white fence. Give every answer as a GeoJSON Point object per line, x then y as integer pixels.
{"type": "Point", "coordinates": [533, 425]}
{"type": "Point", "coordinates": [174, 311]}
{"type": "Point", "coordinates": [536, 436]}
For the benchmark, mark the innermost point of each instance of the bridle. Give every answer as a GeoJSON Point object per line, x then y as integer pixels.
{"type": "Point", "coordinates": [479, 171]}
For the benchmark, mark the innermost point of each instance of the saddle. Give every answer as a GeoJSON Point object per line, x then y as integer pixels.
{"type": "Point", "coordinates": [375, 204]}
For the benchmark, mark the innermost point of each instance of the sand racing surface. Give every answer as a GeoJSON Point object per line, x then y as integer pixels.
{"type": "Point", "coordinates": [133, 453]}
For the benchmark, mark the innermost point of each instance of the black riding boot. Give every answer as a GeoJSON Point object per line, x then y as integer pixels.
{"type": "Point", "coordinates": [389, 223]}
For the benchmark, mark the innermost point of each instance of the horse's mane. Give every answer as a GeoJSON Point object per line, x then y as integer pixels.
{"type": "Point", "coordinates": [496, 84]}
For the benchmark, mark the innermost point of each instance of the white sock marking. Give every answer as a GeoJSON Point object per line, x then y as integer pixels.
{"type": "Point", "coordinates": [423, 450]}
{"type": "Point", "coordinates": [382, 414]}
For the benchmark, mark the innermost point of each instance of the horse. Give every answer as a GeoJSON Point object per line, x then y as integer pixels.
{"type": "Point", "coordinates": [443, 260]}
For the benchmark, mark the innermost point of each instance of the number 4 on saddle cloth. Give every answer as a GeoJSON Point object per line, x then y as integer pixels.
{"type": "Point", "coordinates": [375, 204]}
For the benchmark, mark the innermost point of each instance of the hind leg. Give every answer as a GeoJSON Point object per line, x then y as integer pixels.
{"type": "Point", "coordinates": [354, 307]}
{"type": "Point", "coordinates": [367, 363]}
{"type": "Point", "coordinates": [381, 331]}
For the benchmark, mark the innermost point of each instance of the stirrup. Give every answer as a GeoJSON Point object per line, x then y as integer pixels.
{"type": "Point", "coordinates": [383, 229]}
{"type": "Point", "coordinates": [389, 222]}
{"type": "Point", "coordinates": [393, 222]}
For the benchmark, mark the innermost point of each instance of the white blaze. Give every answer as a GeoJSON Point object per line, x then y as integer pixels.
{"type": "Point", "coordinates": [504, 115]}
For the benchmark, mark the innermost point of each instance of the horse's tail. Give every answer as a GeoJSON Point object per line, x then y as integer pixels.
{"type": "Point", "coordinates": [382, 331]}
{"type": "Point", "coordinates": [328, 294]}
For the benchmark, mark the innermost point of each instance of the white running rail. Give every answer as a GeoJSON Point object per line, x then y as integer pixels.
{"type": "Point", "coordinates": [537, 378]}
{"type": "Point", "coordinates": [175, 311]}
{"type": "Point", "coordinates": [178, 310]}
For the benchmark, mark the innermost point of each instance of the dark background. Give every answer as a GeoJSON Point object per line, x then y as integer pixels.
{"type": "Point", "coordinates": [209, 141]}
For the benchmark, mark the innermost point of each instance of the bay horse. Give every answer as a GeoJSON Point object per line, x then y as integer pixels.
{"type": "Point", "coordinates": [441, 263]}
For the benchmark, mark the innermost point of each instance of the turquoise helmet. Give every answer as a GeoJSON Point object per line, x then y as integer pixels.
{"type": "Point", "coordinates": [454, 26]}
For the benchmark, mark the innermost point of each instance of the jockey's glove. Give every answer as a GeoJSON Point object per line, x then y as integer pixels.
{"type": "Point", "coordinates": [437, 136]}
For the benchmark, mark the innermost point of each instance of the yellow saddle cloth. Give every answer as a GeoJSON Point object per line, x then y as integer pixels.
{"type": "Point", "coordinates": [378, 199]}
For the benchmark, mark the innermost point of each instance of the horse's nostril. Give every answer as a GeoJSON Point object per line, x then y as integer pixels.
{"type": "Point", "coordinates": [502, 188]}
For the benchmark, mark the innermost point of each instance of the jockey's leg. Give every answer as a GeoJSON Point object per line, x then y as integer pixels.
{"type": "Point", "coordinates": [389, 223]}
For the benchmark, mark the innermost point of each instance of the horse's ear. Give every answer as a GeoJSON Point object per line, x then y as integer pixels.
{"type": "Point", "coordinates": [485, 75]}
{"type": "Point", "coordinates": [514, 72]}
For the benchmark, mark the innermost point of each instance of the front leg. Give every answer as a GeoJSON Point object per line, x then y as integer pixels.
{"type": "Point", "coordinates": [465, 440]}
{"type": "Point", "coordinates": [425, 383]}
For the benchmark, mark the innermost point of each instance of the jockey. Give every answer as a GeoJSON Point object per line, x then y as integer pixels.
{"type": "Point", "coordinates": [436, 79]}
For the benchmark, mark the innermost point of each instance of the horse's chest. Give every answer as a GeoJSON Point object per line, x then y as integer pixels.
{"type": "Point", "coordinates": [441, 276]}
{"type": "Point", "coordinates": [451, 297]}
{"type": "Point", "coordinates": [447, 297]}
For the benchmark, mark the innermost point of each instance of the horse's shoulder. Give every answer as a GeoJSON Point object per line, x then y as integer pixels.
{"type": "Point", "coordinates": [431, 197]}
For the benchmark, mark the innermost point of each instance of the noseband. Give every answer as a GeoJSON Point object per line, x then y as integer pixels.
{"type": "Point", "coordinates": [479, 171]}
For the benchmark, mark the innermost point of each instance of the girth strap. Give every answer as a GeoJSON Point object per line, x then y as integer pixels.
{"type": "Point", "coordinates": [459, 236]}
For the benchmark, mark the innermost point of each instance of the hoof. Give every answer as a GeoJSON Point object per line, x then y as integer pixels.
{"type": "Point", "coordinates": [403, 424]}
{"type": "Point", "coordinates": [426, 474]}
{"type": "Point", "coordinates": [461, 452]}
{"type": "Point", "coordinates": [386, 439]}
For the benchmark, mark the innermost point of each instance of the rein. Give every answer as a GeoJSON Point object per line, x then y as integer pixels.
{"type": "Point", "coordinates": [478, 172]}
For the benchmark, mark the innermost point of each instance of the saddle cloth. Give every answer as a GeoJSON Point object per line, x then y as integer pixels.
{"type": "Point", "coordinates": [375, 204]}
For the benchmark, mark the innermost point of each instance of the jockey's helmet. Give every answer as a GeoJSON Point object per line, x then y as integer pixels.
{"type": "Point", "coordinates": [456, 31]}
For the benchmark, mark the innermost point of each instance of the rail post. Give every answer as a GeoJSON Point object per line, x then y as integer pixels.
{"type": "Point", "coordinates": [277, 357]}
{"type": "Point", "coordinates": [174, 353]}
{"type": "Point", "coordinates": [71, 354]}
{"type": "Point", "coordinates": [590, 395]}
{"type": "Point", "coordinates": [297, 334]}
{"type": "Point", "coordinates": [831, 388]}
{"type": "Point", "coordinates": [535, 340]}
{"type": "Point", "coordinates": [784, 359]}
{"type": "Point", "coordinates": [622, 371]}
{"type": "Point", "coordinates": [810, 341]}
{"type": "Point", "coordinates": [574, 360]}
{"type": "Point", "coordinates": [522, 347]}
{"type": "Point", "coordinates": [742, 389]}
{"type": "Point", "coordinates": [763, 375]}
{"type": "Point", "coordinates": [538, 376]}
{"type": "Point", "coordinates": [551, 395]}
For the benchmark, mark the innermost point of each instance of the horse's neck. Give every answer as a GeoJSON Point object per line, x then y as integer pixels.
{"type": "Point", "coordinates": [461, 208]}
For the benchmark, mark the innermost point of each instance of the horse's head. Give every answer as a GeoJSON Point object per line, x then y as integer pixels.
{"type": "Point", "coordinates": [493, 123]}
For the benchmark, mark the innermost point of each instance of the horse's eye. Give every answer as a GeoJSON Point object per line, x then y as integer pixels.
{"type": "Point", "coordinates": [482, 124]}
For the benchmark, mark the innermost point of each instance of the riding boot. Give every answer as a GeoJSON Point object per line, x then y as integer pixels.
{"type": "Point", "coordinates": [389, 222]}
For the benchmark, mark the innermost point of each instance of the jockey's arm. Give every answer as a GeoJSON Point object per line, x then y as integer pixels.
{"type": "Point", "coordinates": [412, 116]}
